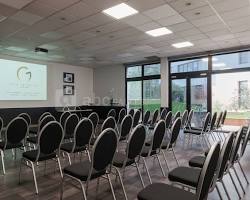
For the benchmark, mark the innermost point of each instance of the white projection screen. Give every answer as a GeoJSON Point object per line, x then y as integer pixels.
{"type": "Point", "coordinates": [22, 81]}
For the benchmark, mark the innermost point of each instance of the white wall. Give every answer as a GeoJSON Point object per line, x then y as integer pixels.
{"type": "Point", "coordinates": [106, 79]}
{"type": "Point", "coordinates": [83, 86]}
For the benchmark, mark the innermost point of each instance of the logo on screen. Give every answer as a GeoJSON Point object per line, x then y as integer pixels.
{"type": "Point", "coordinates": [23, 74]}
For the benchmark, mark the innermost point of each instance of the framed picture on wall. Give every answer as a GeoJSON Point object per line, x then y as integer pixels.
{"type": "Point", "coordinates": [68, 77]}
{"type": "Point", "coordinates": [68, 90]}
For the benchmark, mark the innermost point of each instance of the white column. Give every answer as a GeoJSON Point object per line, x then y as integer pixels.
{"type": "Point", "coordinates": [164, 82]}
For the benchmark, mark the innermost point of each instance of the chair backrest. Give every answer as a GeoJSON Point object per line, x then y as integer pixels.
{"type": "Point", "coordinates": [184, 118]}
{"type": "Point", "coordinates": [26, 117]}
{"type": "Point", "coordinates": [218, 121]}
{"type": "Point", "coordinates": [63, 117]}
{"type": "Point", "coordinates": [236, 145]}
{"type": "Point", "coordinates": [79, 114]}
{"type": "Point", "coordinates": [66, 108]}
{"type": "Point", "coordinates": [146, 117]}
{"type": "Point", "coordinates": [168, 119]}
{"type": "Point", "coordinates": [50, 138]}
{"type": "Point", "coordinates": [245, 141]}
{"type": "Point", "coordinates": [43, 115]}
{"type": "Point", "coordinates": [175, 130]}
{"type": "Point", "coordinates": [121, 115]}
{"type": "Point", "coordinates": [190, 116]}
{"type": "Point", "coordinates": [213, 121]}
{"type": "Point", "coordinates": [155, 117]}
{"type": "Point", "coordinates": [225, 155]}
{"type": "Point", "coordinates": [108, 123]}
{"type": "Point", "coordinates": [136, 118]}
{"type": "Point", "coordinates": [126, 126]}
{"type": "Point", "coordinates": [224, 116]}
{"type": "Point", "coordinates": [163, 113]}
{"type": "Point", "coordinates": [207, 172]}
{"type": "Point", "coordinates": [70, 124]}
{"type": "Point", "coordinates": [83, 132]}
{"type": "Point", "coordinates": [111, 113]}
{"type": "Point", "coordinates": [206, 122]}
{"type": "Point", "coordinates": [177, 114]}
{"type": "Point", "coordinates": [45, 120]}
{"type": "Point", "coordinates": [16, 131]}
{"type": "Point", "coordinates": [94, 118]}
{"type": "Point", "coordinates": [158, 134]}
{"type": "Point", "coordinates": [1, 125]}
{"type": "Point", "coordinates": [131, 112]}
{"type": "Point", "coordinates": [136, 141]}
{"type": "Point", "coordinates": [104, 149]}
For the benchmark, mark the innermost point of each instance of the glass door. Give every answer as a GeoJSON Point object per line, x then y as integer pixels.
{"type": "Point", "coordinates": [179, 95]}
{"type": "Point", "coordinates": [134, 95]}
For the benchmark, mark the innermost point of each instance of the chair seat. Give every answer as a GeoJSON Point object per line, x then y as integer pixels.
{"type": "Point", "coordinates": [119, 159]}
{"type": "Point", "coordinates": [161, 191]}
{"type": "Point", "coordinates": [197, 161]}
{"type": "Point", "coordinates": [146, 150]}
{"type": "Point", "coordinates": [32, 139]}
{"type": "Point", "coordinates": [185, 175]}
{"type": "Point", "coordinates": [10, 145]}
{"type": "Point", "coordinates": [81, 171]}
{"type": "Point", "coordinates": [192, 131]}
{"type": "Point", "coordinates": [69, 146]}
{"type": "Point", "coordinates": [31, 155]}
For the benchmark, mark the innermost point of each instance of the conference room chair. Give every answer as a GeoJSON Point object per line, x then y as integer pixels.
{"type": "Point", "coordinates": [145, 120]}
{"type": "Point", "coordinates": [159, 191]}
{"type": "Point", "coordinates": [34, 139]}
{"type": "Point", "coordinates": [48, 148]}
{"type": "Point", "coordinates": [99, 166]}
{"type": "Point", "coordinates": [34, 130]}
{"type": "Point", "coordinates": [109, 123]}
{"type": "Point", "coordinates": [163, 113]}
{"type": "Point", "coordinates": [79, 114]}
{"type": "Point", "coordinates": [66, 108]}
{"type": "Point", "coordinates": [13, 137]}
{"type": "Point", "coordinates": [121, 115]}
{"type": "Point", "coordinates": [26, 117]}
{"type": "Point", "coordinates": [111, 113]}
{"type": "Point", "coordinates": [125, 128]}
{"type": "Point", "coordinates": [169, 144]}
{"type": "Point", "coordinates": [63, 117]}
{"type": "Point", "coordinates": [69, 126]}
{"type": "Point", "coordinates": [224, 116]}
{"type": "Point", "coordinates": [218, 126]}
{"type": "Point", "coordinates": [189, 120]}
{"type": "Point", "coordinates": [94, 117]}
{"type": "Point", "coordinates": [219, 131]}
{"type": "Point", "coordinates": [176, 115]}
{"type": "Point", "coordinates": [131, 155]}
{"type": "Point", "coordinates": [154, 147]}
{"type": "Point", "coordinates": [136, 118]}
{"type": "Point", "coordinates": [131, 112]}
{"type": "Point", "coordinates": [168, 123]}
{"type": "Point", "coordinates": [200, 134]}
{"type": "Point", "coordinates": [154, 119]}
{"type": "Point", "coordinates": [184, 119]}
{"type": "Point", "coordinates": [81, 139]}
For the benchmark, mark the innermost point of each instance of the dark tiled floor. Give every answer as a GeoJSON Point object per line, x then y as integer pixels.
{"type": "Point", "coordinates": [49, 182]}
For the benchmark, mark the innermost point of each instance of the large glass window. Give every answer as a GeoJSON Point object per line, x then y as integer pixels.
{"type": "Point", "coordinates": [144, 86]}
{"type": "Point", "coordinates": [231, 61]}
{"type": "Point", "coordinates": [179, 89]}
{"type": "Point", "coordinates": [200, 64]}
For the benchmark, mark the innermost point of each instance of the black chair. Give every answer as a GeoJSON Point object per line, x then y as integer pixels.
{"type": "Point", "coordinates": [63, 118]}
{"type": "Point", "coordinates": [125, 128]}
{"type": "Point", "coordinates": [218, 126]}
{"type": "Point", "coordinates": [154, 119]}
{"type": "Point", "coordinates": [154, 147]}
{"type": "Point", "coordinates": [176, 115]}
{"type": "Point", "coordinates": [14, 137]}
{"type": "Point", "coordinates": [168, 145]}
{"type": "Point", "coordinates": [224, 116]}
{"type": "Point", "coordinates": [26, 117]}
{"type": "Point", "coordinates": [121, 115]}
{"type": "Point", "coordinates": [48, 148]}
{"type": "Point", "coordinates": [70, 125]}
{"type": "Point", "coordinates": [136, 118]}
{"type": "Point", "coordinates": [160, 191]}
{"type": "Point", "coordinates": [146, 117]}
{"type": "Point", "coordinates": [168, 120]}
{"type": "Point", "coordinates": [131, 155]}
{"type": "Point", "coordinates": [79, 114]}
{"type": "Point", "coordinates": [101, 159]}
{"type": "Point", "coordinates": [44, 121]}
{"type": "Point", "coordinates": [163, 113]}
{"type": "Point", "coordinates": [81, 139]}
{"type": "Point", "coordinates": [109, 123]}
{"type": "Point", "coordinates": [189, 120]}
{"type": "Point", "coordinates": [66, 108]}
{"type": "Point", "coordinates": [184, 119]}
{"type": "Point", "coordinates": [131, 112]}
{"type": "Point", "coordinates": [94, 117]}
{"type": "Point", "coordinates": [34, 130]}
{"type": "Point", "coordinates": [111, 113]}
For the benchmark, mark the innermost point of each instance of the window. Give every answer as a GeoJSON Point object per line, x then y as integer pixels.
{"type": "Point", "coordinates": [231, 61]}
{"type": "Point", "coordinates": [144, 87]}
{"type": "Point", "coordinates": [200, 64]}
{"type": "Point", "coordinates": [243, 94]}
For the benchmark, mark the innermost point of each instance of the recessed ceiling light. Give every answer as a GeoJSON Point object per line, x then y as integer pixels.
{"type": "Point", "coordinates": [159, 32]}
{"type": "Point", "coordinates": [182, 44]}
{"type": "Point", "coordinates": [120, 11]}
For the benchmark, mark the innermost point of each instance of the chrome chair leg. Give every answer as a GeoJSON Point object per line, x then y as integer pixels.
{"type": "Point", "coordinates": [243, 172]}
{"type": "Point", "coordinates": [121, 181]}
{"type": "Point", "coordinates": [224, 186]}
{"type": "Point", "coordinates": [175, 157]}
{"type": "Point", "coordinates": [164, 156]}
{"type": "Point", "coordinates": [231, 177]}
{"type": "Point", "coordinates": [238, 178]}
{"type": "Point", "coordinates": [69, 159]}
{"type": "Point", "coordinates": [60, 167]}
{"type": "Point", "coordinates": [218, 191]}
{"type": "Point", "coordinates": [139, 173]}
{"type": "Point", "coordinates": [111, 187]}
{"type": "Point", "coordinates": [145, 164]}
{"type": "Point", "coordinates": [2, 158]}
{"type": "Point", "coordinates": [61, 189]}
{"type": "Point", "coordinates": [163, 173]}
{"type": "Point", "coordinates": [34, 176]}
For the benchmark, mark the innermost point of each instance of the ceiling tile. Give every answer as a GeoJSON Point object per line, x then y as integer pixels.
{"type": "Point", "coordinates": [52, 35]}
{"type": "Point", "coordinates": [18, 4]}
{"type": "Point", "coordinates": [174, 19]}
{"type": "Point", "coordinates": [142, 5]}
{"type": "Point", "coordinates": [198, 13]}
{"type": "Point", "coordinates": [136, 20]}
{"type": "Point", "coordinates": [7, 10]}
{"type": "Point", "coordinates": [227, 5]}
{"type": "Point", "coordinates": [184, 5]}
{"type": "Point", "coordinates": [26, 18]}
{"type": "Point", "coordinates": [57, 4]}
{"type": "Point", "coordinates": [148, 26]}
{"type": "Point", "coordinates": [160, 12]}
{"type": "Point", "coordinates": [40, 8]}
{"type": "Point", "coordinates": [206, 20]}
